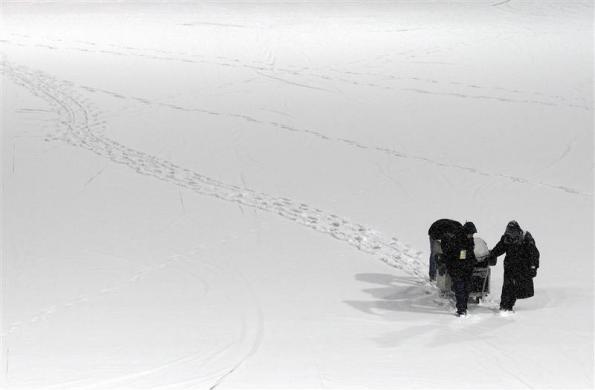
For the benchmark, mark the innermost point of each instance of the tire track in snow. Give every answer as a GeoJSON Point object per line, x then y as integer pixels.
{"type": "Point", "coordinates": [204, 366]}
{"type": "Point", "coordinates": [81, 299]}
{"type": "Point", "coordinates": [254, 316]}
{"type": "Point", "coordinates": [205, 363]}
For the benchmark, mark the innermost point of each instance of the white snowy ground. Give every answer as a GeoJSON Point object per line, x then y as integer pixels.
{"type": "Point", "coordinates": [221, 194]}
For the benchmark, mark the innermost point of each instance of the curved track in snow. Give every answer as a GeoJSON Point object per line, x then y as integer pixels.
{"type": "Point", "coordinates": [77, 131]}
{"type": "Point", "coordinates": [76, 126]}
{"type": "Point", "coordinates": [424, 86]}
{"type": "Point", "coordinates": [207, 366]}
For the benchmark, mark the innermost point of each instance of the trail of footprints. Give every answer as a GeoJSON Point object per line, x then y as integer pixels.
{"type": "Point", "coordinates": [75, 129]}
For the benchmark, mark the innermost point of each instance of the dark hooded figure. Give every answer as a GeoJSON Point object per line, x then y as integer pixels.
{"type": "Point", "coordinates": [460, 262]}
{"type": "Point", "coordinates": [520, 264]}
{"type": "Point", "coordinates": [436, 232]}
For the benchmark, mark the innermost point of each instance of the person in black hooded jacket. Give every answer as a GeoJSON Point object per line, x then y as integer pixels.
{"type": "Point", "coordinates": [460, 261]}
{"type": "Point", "coordinates": [520, 264]}
{"type": "Point", "coordinates": [437, 231]}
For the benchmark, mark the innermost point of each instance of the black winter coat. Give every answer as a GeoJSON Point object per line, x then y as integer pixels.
{"type": "Point", "coordinates": [518, 262]}
{"type": "Point", "coordinates": [442, 226]}
{"type": "Point", "coordinates": [458, 255]}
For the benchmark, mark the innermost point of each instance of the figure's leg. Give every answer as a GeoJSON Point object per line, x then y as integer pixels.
{"type": "Point", "coordinates": [432, 267]}
{"type": "Point", "coordinates": [461, 295]}
{"type": "Point", "coordinates": [468, 283]}
{"type": "Point", "coordinates": [432, 260]}
{"type": "Point", "coordinates": [512, 300]}
{"type": "Point", "coordinates": [508, 297]}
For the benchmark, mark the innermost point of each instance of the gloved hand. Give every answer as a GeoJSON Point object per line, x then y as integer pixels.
{"type": "Point", "coordinates": [481, 264]}
{"type": "Point", "coordinates": [492, 259]}
{"type": "Point", "coordinates": [533, 272]}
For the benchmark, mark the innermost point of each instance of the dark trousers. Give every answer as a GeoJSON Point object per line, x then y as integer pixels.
{"type": "Point", "coordinates": [433, 267]}
{"type": "Point", "coordinates": [435, 250]}
{"type": "Point", "coordinates": [461, 287]}
{"type": "Point", "coordinates": [509, 293]}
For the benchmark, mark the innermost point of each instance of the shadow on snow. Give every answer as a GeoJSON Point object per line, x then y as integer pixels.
{"type": "Point", "coordinates": [395, 298]}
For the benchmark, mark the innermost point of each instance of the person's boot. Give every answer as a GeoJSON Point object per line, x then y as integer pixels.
{"type": "Point", "coordinates": [505, 310]}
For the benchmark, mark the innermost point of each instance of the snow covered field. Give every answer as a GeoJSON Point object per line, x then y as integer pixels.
{"type": "Point", "coordinates": [236, 195]}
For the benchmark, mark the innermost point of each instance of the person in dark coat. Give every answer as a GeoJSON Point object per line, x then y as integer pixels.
{"type": "Point", "coordinates": [460, 261]}
{"type": "Point", "coordinates": [520, 264]}
{"type": "Point", "coordinates": [436, 232]}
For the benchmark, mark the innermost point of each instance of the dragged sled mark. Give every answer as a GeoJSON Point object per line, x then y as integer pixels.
{"type": "Point", "coordinates": [76, 131]}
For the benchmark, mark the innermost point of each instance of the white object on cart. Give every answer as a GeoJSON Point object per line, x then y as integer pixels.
{"type": "Point", "coordinates": [481, 250]}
